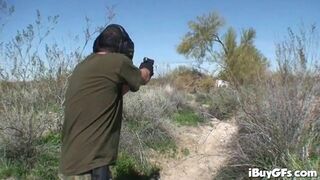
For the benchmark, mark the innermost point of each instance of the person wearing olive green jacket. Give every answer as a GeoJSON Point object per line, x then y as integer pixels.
{"type": "Point", "coordinates": [93, 105]}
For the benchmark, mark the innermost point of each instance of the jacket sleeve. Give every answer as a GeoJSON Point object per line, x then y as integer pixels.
{"type": "Point", "coordinates": [130, 75]}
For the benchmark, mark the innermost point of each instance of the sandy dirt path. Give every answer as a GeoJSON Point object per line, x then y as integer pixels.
{"type": "Point", "coordinates": [205, 150]}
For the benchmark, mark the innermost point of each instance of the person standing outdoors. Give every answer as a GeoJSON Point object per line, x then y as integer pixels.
{"type": "Point", "coordinates": [93, 105]}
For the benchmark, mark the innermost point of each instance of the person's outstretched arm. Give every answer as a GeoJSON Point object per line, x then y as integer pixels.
{"type": "Point", "coordinates": [145, 76]}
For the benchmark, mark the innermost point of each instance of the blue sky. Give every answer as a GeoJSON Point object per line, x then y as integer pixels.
{"type": "Point", "coordinates": [157, 26]}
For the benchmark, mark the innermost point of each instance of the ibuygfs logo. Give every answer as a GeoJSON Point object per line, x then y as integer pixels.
{"type": "Point", "coordinates": [281, 172]}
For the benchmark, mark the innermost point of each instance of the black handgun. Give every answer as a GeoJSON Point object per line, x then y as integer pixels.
{"type": "Point", "coordinates": [148, 60]}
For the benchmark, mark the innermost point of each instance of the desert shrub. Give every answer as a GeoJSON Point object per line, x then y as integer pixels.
{"type": "Point", "coordinates": [146, 123]}
{"type": "Point", "coordinates": [146, 115]}
{"type": "Point", "coordinates": [45, 161]}
{"type": "Point", "coordinates": [137, 138]}
{"type": "Point", "coordinates": [279, 130]}
{"type": "Point", "coordinates": [280, 120]}
{"type": "Point", "coordinates": [29, 110]}
{"type": "Point", "coordinates": [151, 104]}
{"type": "Point", "coordinates": [188, 79]}
{"type": "Point", "coordinates": [33, 80]}
{"type": "Point", "coordinates": [31, 91]}
{"type": "Point", "coordinates": [223, 103]}
{"type": "Point", "coordinates": [24, 120]}
{"type": "Point", "coordinates": [202, 98]}
{"type": "Point", "coordinates": [32, 86]}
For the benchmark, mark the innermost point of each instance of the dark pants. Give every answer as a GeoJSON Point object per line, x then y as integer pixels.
{"type": "Point", "coordinates": [101, 173]}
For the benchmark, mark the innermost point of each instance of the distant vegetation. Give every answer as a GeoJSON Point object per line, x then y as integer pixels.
{"type": "Point", "coordinates": [277, 111]}
{"type": "Point", "coordinates": [278, 116]}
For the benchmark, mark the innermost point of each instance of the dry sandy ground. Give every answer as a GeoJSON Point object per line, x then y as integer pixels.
{"type": "Point", "coordinates": [207, 152]}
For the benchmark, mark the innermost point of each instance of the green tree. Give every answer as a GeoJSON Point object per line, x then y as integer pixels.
{"type": "Point", "coordinates": [198, 42]}
{"type": "Point", "coordinates": [240, 63]}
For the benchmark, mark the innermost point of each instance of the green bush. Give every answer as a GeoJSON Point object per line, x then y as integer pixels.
{"type": "Point", "coordinates": [125, 166]}
{"type": "Point", "coordinates": [163, 145]}
{"type": "Point", "coordinates": [9, 169]}
{"type": "Point", "coordinates": [187, 117]}
{"type": "Point", "coordinates": [46, 166]}
{"type": "Point", "coordinates": [51, 139]}
{"type": "Point", "coordinates": [185, 151]}
{"type": "Point", "coordinates": [128, 168]}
